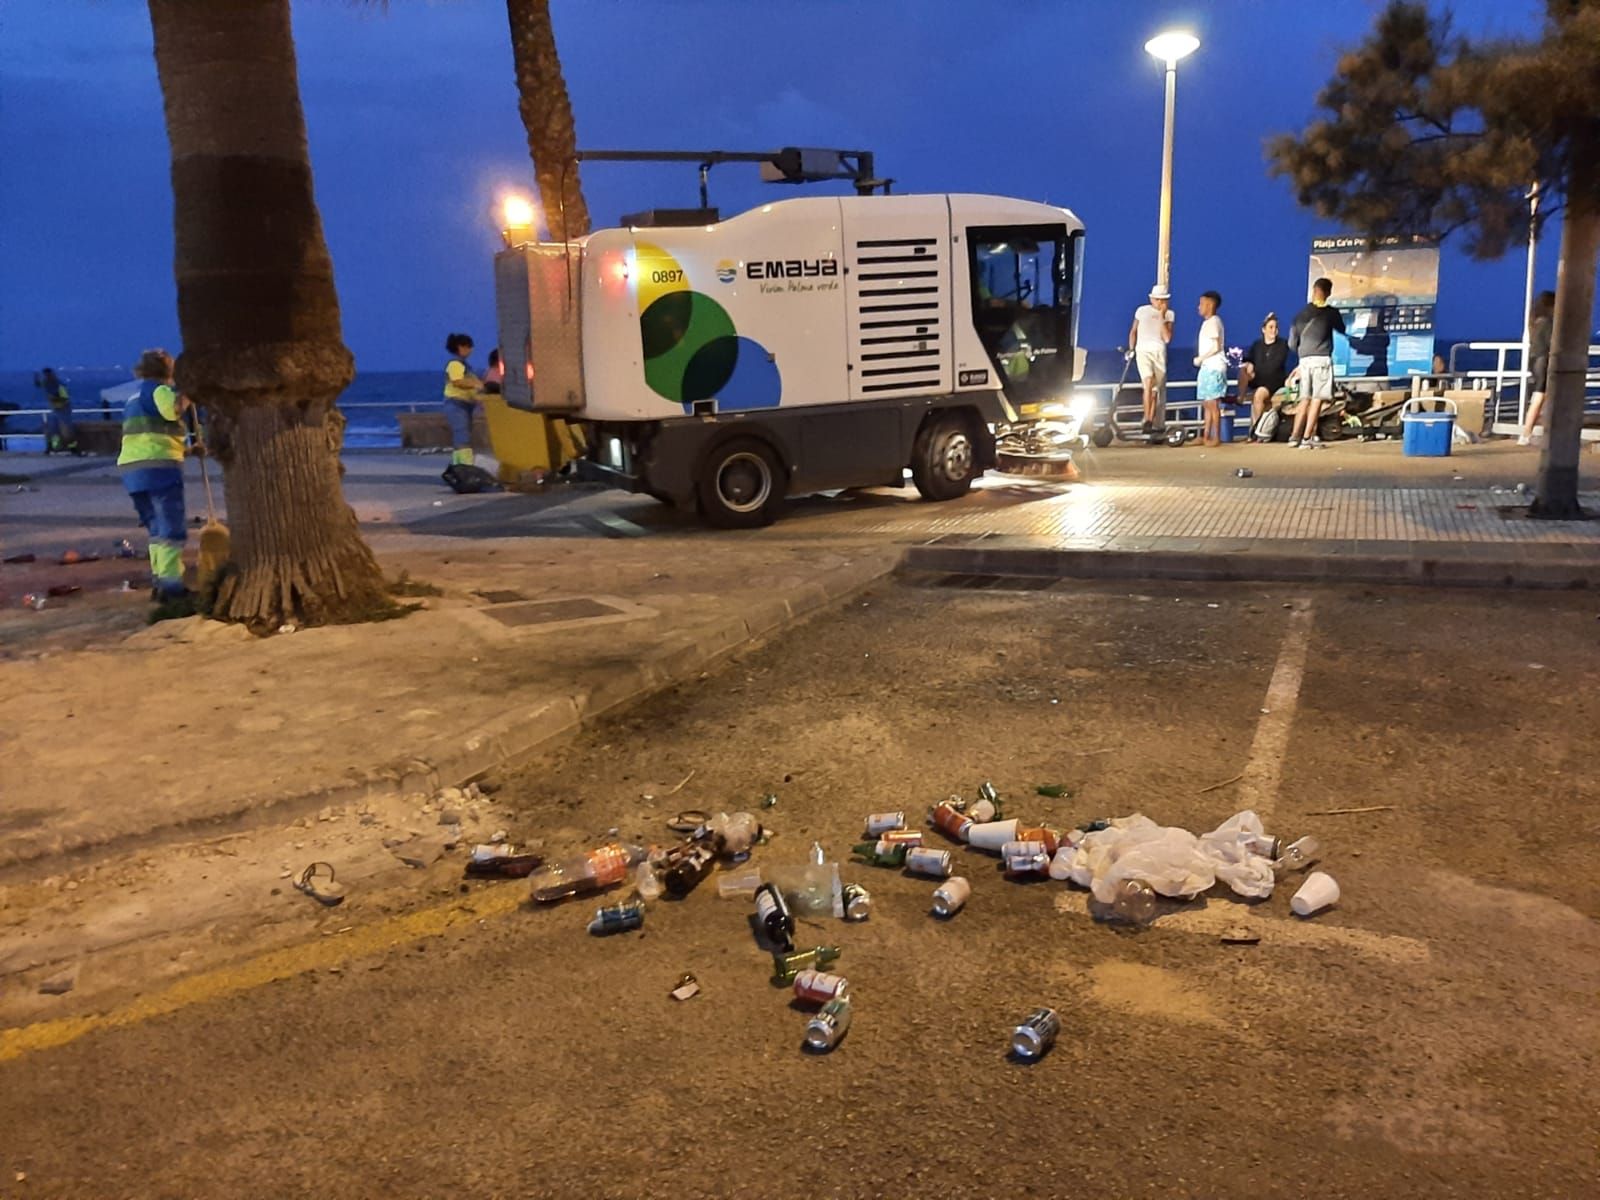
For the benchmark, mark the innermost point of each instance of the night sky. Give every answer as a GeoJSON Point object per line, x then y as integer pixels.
{"type": "Point", "coordinates": [413, 124]}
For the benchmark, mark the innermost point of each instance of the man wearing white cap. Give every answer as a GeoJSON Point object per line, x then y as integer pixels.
{"type": "Point", "coordinates": [1148, 335]}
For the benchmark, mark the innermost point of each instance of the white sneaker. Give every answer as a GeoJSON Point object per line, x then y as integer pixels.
{"type": "Point", "coordinates": [1306, 445]}
{"type": "Point", "coordinates": [1294, 443]}
{"type": "Point", "coordinates": [1315, 443]}
{"type": "Point", "coordinates": [1524, 440]}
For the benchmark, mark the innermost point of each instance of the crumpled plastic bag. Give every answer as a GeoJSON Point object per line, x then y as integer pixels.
{"type": "Point", "coordinates": [1234, 846]}
{"type": "Point", "coordinates": [1173, 861]}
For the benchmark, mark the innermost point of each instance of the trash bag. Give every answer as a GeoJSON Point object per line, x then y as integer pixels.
{"type": "Point", "coordinates": [467, 480]}
{"type": "Point", "coordinates": [1135, 847]}
{"type": "Point", "coordinates": [1173, 861]}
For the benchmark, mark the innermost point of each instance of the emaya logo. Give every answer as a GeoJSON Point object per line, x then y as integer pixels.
{"type": "Point", "coordinates": [727, 271]}
{"type": "Point", "coordinates": [792, 268]}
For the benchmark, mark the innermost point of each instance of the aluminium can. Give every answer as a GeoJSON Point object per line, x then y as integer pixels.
{"type": "Point", "coordinates": [951, 896]}
{"type": "Point", "coordinates": [615, 918]}
{"type": "Point", "coordinates": [857, 902]}
{"type": "Point", "coordinates": [819, 986]}
{"type": "Point", "coordinates": [1037, 1033]}
{"type": "Point", "coordinates": [925, 860]}
{"type": "Point", "coordinates": [827, 1028]}
{"type": "Point", "coordinates": [883, 822]}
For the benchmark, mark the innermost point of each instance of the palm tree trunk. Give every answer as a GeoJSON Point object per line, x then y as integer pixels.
{"type": "Point", "coordinates": [1556, 495]}
{"type": "Point", "coordinates": [547, 115]}
{"type": "Point", "coordinates": [263, 348]}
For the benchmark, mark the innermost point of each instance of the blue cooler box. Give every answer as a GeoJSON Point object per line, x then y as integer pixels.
{"type": "Point", "coordinates": [1427, 434]}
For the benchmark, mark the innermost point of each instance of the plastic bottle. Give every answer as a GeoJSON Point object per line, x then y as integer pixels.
{"type": "Point", "coordinates": [818, 855]}
{"type": "Point", "coordinates": [589, 872]}
{"type": "Point", "coordinates": [1298, 855]}
{"type": "Point", "coordinates": [646, 883]}
{"type": "Point", "coordinates": [1135, 902]}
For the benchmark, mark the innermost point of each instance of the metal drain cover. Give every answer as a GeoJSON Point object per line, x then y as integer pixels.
{"type": "Point", "coordinates": [548, 612]}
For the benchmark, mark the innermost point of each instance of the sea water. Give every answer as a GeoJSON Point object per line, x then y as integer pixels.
{"type": "Point", "coordinates": [371, 404]}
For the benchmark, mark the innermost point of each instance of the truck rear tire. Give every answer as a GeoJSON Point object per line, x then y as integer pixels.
{"type": "Point", "coordinates": [944, 458]}
{"type": "Point", "coordinates": [741, 485]}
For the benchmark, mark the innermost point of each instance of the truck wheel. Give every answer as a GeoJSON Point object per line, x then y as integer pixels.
{"type": "Point", "coordinates": [741, 485]}
{"type": "Point", "coordinates": [944, 459]}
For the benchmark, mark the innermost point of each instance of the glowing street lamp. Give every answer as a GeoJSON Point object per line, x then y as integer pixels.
{"type": "Point", "coordinates": [518, 217]}
{"type": "Point", "coordinates": [1169, 47]}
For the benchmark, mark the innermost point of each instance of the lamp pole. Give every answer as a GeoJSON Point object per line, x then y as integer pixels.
{"type": "Point", "coordinates": [1169, 47]}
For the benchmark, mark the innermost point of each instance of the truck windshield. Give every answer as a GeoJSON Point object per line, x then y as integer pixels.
{"type": "Point", "coordinates": [1023, 283]}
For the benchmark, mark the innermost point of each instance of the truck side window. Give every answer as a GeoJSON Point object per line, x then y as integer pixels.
{"type": "Point", "coordinates": [1022, 284]}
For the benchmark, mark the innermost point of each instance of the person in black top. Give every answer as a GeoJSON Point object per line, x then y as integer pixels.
{"type": "Point", "coordinates": [1263, 369]}
{"type": "Point", "coordinates": [1544, 307]}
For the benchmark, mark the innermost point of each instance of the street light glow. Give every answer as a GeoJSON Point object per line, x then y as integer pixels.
{"type": "Point", "coordinates": [1172, 45]}
{"type": "Point", "coordinates": [517, 211]}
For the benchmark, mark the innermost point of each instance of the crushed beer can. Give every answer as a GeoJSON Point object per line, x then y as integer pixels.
{"type": "Point", "coordinates": [827, 1028]}
{"type": "Point", "coordinates": [1032, 1039]}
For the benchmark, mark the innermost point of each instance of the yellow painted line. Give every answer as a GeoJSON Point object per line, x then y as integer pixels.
{"type": "Point", "coordinates": [324, 952]}
{"type": "Point", "coordinates": [1215, 919]}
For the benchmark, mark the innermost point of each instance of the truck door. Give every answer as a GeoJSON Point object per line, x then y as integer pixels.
{"type": "Point", "coordinates": [1025, 282]}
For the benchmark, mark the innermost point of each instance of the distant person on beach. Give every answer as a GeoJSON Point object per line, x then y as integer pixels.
{"type": "Point", "coordinates": [151, 464]}
{"type": "Point", "coordinates": [1544, 309]}
{"type": "Point", "coordinates": [60, 434]}
{"type": "Point", "coordinates": [1211, 356]}
{"type": "Point", "coordinates": [1147, 338]}
{"type": "Point", "coordinates": [462, 395]}
{"type": "Point", "coordinates": [1311, 337]}
{"type": "Point", "coordinates": [495, 375]}
{"type": "Point", "coordinates": [1264, 369]}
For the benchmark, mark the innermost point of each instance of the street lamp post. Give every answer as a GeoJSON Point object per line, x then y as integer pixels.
{"type": "Point", "coordinates": [1169, 47]}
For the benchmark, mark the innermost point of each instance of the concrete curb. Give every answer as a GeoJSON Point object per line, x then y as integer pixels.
{"type": "Point", "coordinates": [1263, 566]}
{"type": "Point", "coordinates": [455, 759]}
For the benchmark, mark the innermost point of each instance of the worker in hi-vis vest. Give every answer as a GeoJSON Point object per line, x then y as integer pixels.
{"type": "Point", "coordinates": [151, 464]}
{"type": "Point", "coordinates": [463, 392]}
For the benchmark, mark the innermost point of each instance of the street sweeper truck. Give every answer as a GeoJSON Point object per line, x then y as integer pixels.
{"type": "Point", "coordinates": [806, 345]}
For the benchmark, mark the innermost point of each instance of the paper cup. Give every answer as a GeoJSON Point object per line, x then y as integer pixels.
{"type": "Point", "coordinates": [991, 835]}
{"type": "Point", "coordinates": [1318, 892]}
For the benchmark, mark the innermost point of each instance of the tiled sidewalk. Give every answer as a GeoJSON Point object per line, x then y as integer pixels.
{"type": "Point", "coordinates": [1114, 516]}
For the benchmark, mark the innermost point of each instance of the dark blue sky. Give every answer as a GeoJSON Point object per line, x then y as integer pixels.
{"type": "Point", "coordinates": [413, 123]}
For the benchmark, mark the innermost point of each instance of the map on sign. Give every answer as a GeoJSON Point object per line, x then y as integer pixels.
{"type": "Point", "coordinates": [1387, 292]}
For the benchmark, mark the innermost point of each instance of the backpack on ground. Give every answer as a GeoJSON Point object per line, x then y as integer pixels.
{"type": "Point", "coordinates": [467, 480]}
{"type": "Point", "coordinates": [1267, 426]}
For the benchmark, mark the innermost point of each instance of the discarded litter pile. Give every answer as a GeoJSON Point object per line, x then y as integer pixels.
{"type": "Point", "coordinates": [1128, 864]}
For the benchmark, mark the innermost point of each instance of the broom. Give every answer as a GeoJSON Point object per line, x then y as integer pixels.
{"type": "Point", "coordinates": [215, 541]}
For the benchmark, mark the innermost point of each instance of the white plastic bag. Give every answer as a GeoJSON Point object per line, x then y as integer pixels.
{"type": "Point", "coordinates": [1173, 861]}
{"type": "Point", "coordinates": [1135, 847]}
{"type": "Point", "coordinates": [1232, 848]}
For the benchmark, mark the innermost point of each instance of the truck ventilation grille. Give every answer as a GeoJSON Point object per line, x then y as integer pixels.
{"type": "Point", "coordinates": [897, 325]}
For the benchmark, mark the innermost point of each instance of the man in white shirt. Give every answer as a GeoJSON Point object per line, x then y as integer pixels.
{"type": "Point", "coordinates": [1148, 336]}
{"type": "Point", "coordinates": [1212, 358]}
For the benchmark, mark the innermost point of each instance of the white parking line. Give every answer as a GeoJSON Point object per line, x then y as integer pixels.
{"type": "Point", "coordinates": [1258, 789]}
{"type": "Point", "coordinates": [1212, 918]}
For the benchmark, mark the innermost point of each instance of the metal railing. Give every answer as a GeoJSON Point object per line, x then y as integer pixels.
{"type": "Point", "coordinates": [1506, 384]}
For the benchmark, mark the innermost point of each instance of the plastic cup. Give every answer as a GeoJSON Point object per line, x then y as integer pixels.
{"type": "Point", "coordinates": [1318, 892]}
{"type": "Point", "coordinates": [991, 835]}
